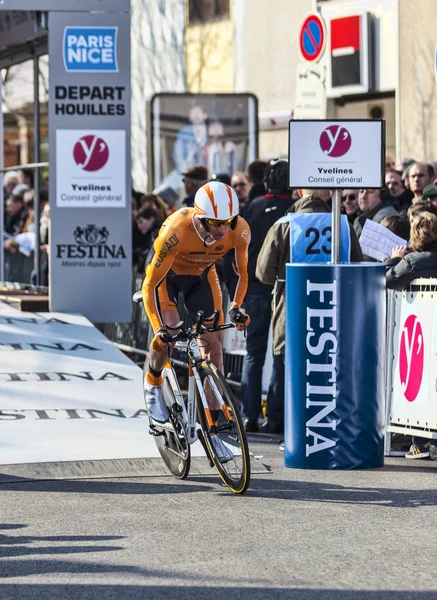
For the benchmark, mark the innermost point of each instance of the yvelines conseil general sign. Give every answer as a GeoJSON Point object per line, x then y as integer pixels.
{"type": "Point", "coordinates": [336, 154]}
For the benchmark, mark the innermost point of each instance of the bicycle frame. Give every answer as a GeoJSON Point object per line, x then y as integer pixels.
{"type": "Point", "coordinates": [189, 411]}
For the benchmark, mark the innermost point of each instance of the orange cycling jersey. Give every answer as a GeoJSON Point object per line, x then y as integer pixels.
{"type": "Point", "coordinates": [181, 248]}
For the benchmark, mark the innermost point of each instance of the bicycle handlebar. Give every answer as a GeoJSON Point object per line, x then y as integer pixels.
{"type": "Point", "coordinates": [198, 329]}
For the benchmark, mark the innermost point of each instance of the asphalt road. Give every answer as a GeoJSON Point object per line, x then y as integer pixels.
{"type": "Point", "coordinates": [304, 535]}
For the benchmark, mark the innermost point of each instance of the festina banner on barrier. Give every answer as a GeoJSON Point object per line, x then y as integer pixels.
{"type": "Point", "coordinates": [334, 365]}
{"type": "Point", "coordinates": [90, 192]}
{"type": "Point", "coordinates": [66, 5]}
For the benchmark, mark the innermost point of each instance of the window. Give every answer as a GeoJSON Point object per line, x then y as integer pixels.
{"type": "Point", "coordinates": [206, 11]}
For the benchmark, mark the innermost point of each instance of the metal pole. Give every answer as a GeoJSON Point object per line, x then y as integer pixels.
{"type": "Point", "coordinates": [336, 224]}
{"type": "Point", "coordinates": [37, 179]}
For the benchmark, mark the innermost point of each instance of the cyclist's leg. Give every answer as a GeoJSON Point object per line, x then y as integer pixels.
{"type": "Point", "coordinates": [167, 298]}
{"type": "Point", "coordinates": [207, 296]}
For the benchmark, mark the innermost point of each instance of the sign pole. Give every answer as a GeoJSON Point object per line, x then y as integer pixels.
{"type": "Point", "coordinates": [336, 227]}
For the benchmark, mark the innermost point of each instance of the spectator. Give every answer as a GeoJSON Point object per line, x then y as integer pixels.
{"type": "Point", "coordinates": [404, 164]}
{"type": "Point", "coordinates": [255, 174]}
{"type": "Point", "coordinates": [193, 178]}
{"type": "Point", "coordinates": [430, 193]}
{"type": "Point", "coordinates": [241, 185]}
{"type": "Point", "coordinates": [394, 183]}
{"type": "Point", "coordinates": [398, 225]}
{"type": "Point", "coordinates": [154, 201]}
{"type": "Point", "coordinates": [349, 201]}
{"type": "Point", "coordinates": [420, 260]}
{"type": "Point", "coordinates": [15, 210]}
{"type": "Point", "coordinates": [44, 227]}
{"type": "Point", "coordinates": [390, 161]}
{"type": "Point", "coordinates": [402, 197]}
{"type": "Point", "coordinates": [314, 201]}
{"type": "Point", "coordinates": [374, 205]}
{"type": "Point", "coordinates": [26, 177]}
{"type": "Point", "coordinates": [10, 180]}
{"type": "Point", "coordinates": [423, 206]}
{"type": "Point", "coordinates": [29, 204]}
{"type": "Point", "coordinates": [222, 177]}
{"type": "Point", "coordinates": [420, 175]}
{"type": "Point", "coordinates": [261, 214]}
{"type": "Point", "coordinates": [148, 224]}
{"type": "Point", "coordinates": [169, 196]}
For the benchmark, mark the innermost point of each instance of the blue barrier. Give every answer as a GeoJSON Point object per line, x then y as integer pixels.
{"type": "Point", "coordinates": [334, 364]}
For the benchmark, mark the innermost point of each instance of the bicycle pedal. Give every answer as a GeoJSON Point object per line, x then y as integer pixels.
{"type": "Point", "coordinates": [176, 408]}
{"type": "Point", "coordinates": [156, 432]}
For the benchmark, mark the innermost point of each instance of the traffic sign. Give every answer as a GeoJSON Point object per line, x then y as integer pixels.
{"type": "Point", "coordinates": [312, 38]}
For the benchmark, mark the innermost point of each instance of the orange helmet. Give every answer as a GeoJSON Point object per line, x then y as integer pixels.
{"type": "Point", "coordinates": [217, 201]}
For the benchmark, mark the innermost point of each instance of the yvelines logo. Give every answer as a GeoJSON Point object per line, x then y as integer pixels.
{"type": "Point", "coordinates": [411, 358]}
{"type": "Point", "coordinates": [91, 242]}
{"type": "Point", "coordinates": [90, 49]}
{"type": "Point", "coordinates": [335, 141]}
{"type": "Point", "coordinates": [91, 153]}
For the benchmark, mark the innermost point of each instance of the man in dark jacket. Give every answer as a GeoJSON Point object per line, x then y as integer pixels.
{"type": "Point", "coordinates": [255, 173]}
{"type": "Point", "coordinates": [374, 205]}
{"type": "Point", "coordinates": [270, 269]}
{"type": "Point", "coordinates": [261, 214]}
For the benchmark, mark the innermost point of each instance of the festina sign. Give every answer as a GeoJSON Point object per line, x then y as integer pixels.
{"type": "Point", "coordinates": [68, 414]}
{"type": "Point", "coordinates": [321, 378]}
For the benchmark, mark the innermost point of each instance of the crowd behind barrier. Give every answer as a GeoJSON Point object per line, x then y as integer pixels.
{"type": "Point", "coordinates": [406, 207]}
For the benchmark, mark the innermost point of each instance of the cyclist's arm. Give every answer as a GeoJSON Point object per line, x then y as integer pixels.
{"type": "Point", "coordinates": [242, 241]}
{"type": "Point", "coordinates": [165, 249]}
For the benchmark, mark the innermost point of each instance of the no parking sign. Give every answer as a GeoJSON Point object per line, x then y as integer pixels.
{"type": "Point", "coordinates": [312, 38]}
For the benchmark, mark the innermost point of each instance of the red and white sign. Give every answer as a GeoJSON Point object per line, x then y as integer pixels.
{"type": "Point", "coordinates": [411, 357]}
{"type": "Point", "coordinates": [337, 153]}
{"type": "Point", "coordinates": [349, 65]}
{"type": "Point", "coordinates": [312, 38]}
{"type": "Point", "coordinates": [335, 141]}
{"type": "Point", "coordinates": [90, 168]}
{"type": "Point", "coordinates": [414, 397]}
{"type": "Point", "coordinates": [91, 153]}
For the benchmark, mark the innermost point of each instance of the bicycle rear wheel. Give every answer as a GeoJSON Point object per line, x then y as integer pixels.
{"type": "Point", "coordinates": [224, 423]}
{"type": "Point", "coordinates": [172, 442]}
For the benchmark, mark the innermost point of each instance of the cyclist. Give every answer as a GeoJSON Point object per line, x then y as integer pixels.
{"type": "Point", "coordinates": [189, 243]}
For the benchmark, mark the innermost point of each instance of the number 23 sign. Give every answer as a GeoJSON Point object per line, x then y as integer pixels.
{"type": "Point", "coordinates": [310, 238]}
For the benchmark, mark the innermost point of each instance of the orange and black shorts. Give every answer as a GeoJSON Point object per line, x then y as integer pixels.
{"type": "Point", "coordinates": [198, 293]}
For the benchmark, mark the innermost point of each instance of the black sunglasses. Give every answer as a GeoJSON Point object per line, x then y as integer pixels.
{"type": "Point", "coordinates": [348, 197]}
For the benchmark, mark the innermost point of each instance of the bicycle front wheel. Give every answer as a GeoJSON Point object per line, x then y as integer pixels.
{"type": "Point", "coordinates": [223, 429]}
{"type": "Point", "coordinates": [171, 440]}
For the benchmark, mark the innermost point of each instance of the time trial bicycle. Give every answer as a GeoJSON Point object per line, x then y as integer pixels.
{"type": "Point", "coordinates": [208, 413]}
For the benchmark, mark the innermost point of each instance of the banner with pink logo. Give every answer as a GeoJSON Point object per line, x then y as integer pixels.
{"type": "Point", "coordinates": [336, 154]}
{"type": "Point", "coordinates": [414, 368]}
{"type": "Point", "coordinates": [90, 184]}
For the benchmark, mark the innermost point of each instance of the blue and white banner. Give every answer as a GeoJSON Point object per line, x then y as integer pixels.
{"type": "Point", "coordinates": [334, 365]}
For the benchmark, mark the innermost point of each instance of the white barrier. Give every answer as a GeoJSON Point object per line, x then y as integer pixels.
{"type": "Point", "coordinates": [67, 393]}
{"type": "Point", "coordinates": [412, 360]}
